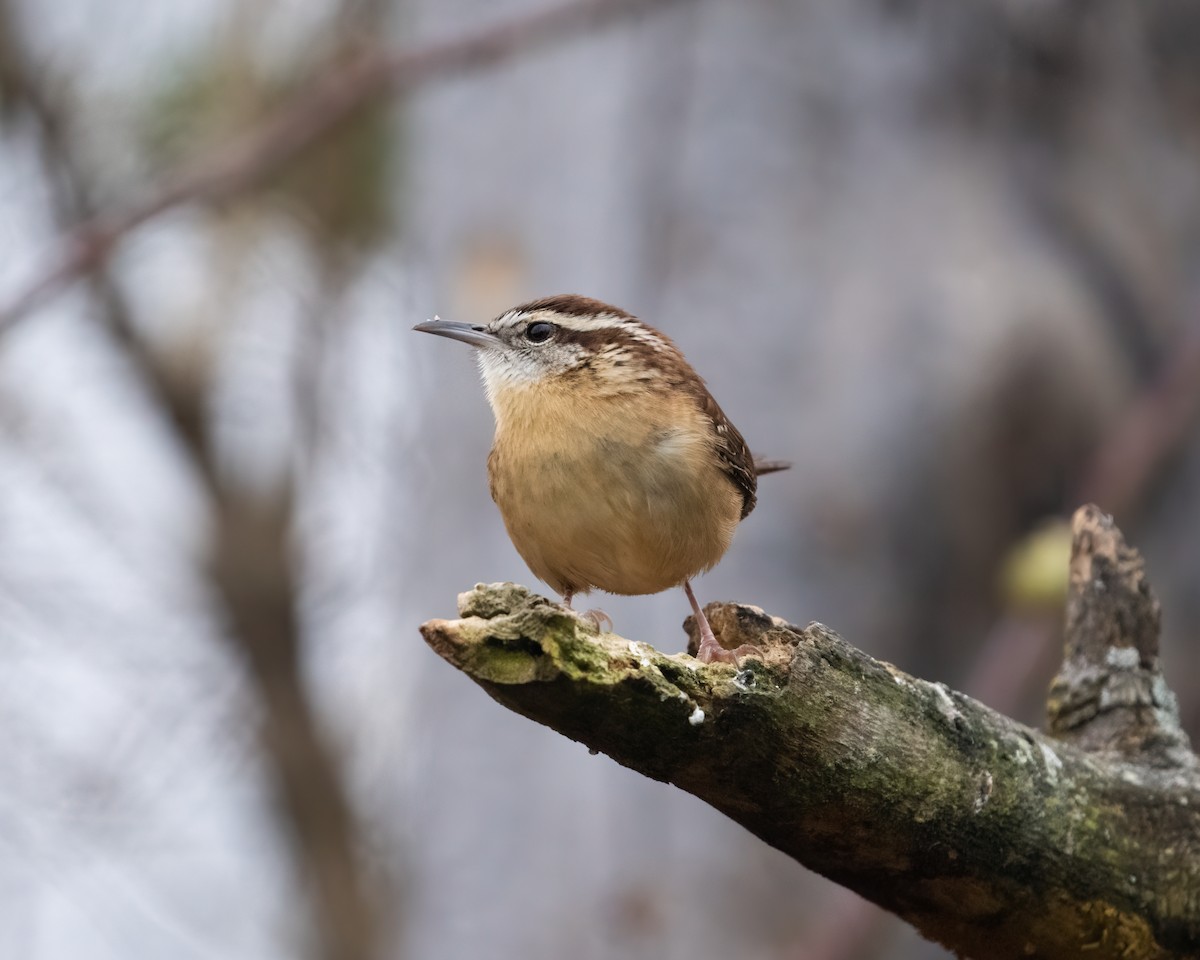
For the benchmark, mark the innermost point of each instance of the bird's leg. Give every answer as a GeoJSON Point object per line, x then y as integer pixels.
{"type": "Point", "coordinates": [709, 650]}
{"type": "Point", "coordinates": [601, 620]}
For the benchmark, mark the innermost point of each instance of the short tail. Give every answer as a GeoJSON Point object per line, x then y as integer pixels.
{"type": "Point", "coordinates": [762, 466]}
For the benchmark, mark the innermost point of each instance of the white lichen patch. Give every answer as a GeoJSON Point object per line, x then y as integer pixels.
{"type": "Point", "coordinates": [899, 676]}
{"type": "Point", "coordinates": [1052, 761]}
{"type": "Point", "coordinates": [696, 718]}
{"type": "Point", "coordinates": [985, 791]}
{"type": "Point", "coordinates": [1123, 658]}
{"type": "Point", "coordinates": [641, 651]}
{"type": "Point", "coordinates": [1164, 697]}
{"type": "Point", "coordinates": [945, 704]}
{"type": "Point", "coordinates": [1019, 748]}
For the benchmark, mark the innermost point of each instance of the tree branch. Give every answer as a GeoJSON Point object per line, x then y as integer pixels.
{"type": "Point", "coordinates": [1110, 696]}
{"type": "Point", "coordinates": [986, 835]}
{"type": "Point", "coordinates": [311, 115]}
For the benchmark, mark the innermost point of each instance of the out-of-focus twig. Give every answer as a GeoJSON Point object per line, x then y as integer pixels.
{"type": "Point", "coordinates": [253, 576]}
{"type": "Point", "coordinates": [1150, 431]}
{"type": "Point", "coordinates": [70, 193]}
{"type": "Point", "coordinates": [309, 116]}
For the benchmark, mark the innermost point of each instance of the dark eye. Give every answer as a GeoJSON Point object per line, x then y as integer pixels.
{"type": "Point", "coordinates": [539, 332]}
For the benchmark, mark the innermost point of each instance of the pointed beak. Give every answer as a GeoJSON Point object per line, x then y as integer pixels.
{"type": "Point", "coordinates": [473, 334]}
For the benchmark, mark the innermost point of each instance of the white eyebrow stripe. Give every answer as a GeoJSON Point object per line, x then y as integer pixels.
{"type": "Point", "coordinates": [600, 321]}
{"type": "Point", "coordinates": [629, 325]}
{"type": "Point", "coordinates": [587, 323]}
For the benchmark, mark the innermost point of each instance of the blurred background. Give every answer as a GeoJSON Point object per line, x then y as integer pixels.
{"type": "Point", "coordinates": [943, 256]}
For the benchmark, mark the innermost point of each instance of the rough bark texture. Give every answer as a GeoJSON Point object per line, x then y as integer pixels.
{"type": "Point", "coordinates": [1110, 696]}
{"type": "Point", "coordinates": [988, 836]}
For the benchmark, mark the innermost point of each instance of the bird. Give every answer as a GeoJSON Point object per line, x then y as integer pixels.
{"type": "Point", "coordinates": [612, 465]}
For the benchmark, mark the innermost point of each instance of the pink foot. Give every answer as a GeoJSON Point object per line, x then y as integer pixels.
{"type": "Point", "coordinates": [709, 650]}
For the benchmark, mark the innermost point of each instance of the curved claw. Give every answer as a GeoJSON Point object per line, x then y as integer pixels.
{"type": "Point", "coordinates": [602, 620]}
{"type": "Point", "coordinates": [598, 618]}
{"type": "Point", "coordinates": [711, 651]}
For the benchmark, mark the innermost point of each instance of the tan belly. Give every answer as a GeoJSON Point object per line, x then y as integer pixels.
{"type": "Point", "coordinates": [624, 517]}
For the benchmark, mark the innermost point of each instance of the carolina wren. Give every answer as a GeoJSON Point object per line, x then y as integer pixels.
{"type": "Point", "coordinates": [613, 466]}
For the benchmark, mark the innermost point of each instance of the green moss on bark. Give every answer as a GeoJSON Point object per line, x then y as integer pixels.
{"type": "Point", "coordinates": [985, 834]}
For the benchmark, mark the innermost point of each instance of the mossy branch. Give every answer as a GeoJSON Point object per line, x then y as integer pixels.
{"type": "Point", "coordinates": [988, 836]}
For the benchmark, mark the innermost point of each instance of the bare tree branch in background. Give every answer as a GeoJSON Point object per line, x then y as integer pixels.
{"type": "Point", "coordinates": [1152, 430]}
{"type": "Point", "coordinates": [252, 572]}
{"type": "Point", "coordinates": [312, 115]}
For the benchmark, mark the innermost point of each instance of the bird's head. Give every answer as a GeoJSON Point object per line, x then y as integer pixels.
{"type": "Point", "coordinates": [549, 338]}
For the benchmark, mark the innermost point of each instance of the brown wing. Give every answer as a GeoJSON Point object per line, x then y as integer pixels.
{"type": "Point", "coordinates": [736, 459]}
{"type": "Point", "coordinates": [493, 467]}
